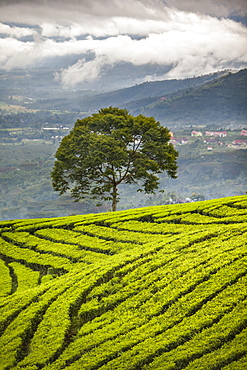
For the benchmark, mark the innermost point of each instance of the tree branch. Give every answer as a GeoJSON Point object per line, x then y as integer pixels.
{"type": "Point", "coordinates": [108, 177]}
{"type": "Point", "coordinates": [134, 150]}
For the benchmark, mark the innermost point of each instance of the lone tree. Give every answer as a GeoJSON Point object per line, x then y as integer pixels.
{"type": "Point", "coordinates": [109, 148]}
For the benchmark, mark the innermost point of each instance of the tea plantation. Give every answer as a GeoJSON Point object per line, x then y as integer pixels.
{"type": "Point", "coordinates": [152, 288]}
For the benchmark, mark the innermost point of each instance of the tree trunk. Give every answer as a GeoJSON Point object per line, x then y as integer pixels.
{"type": "Point", "coordinates": [114, 198]}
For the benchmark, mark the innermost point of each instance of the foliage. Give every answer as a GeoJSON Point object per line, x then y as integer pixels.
{"type": "Point", "coordinates": [110, 148]}
{"type": "Point", "coordinates": [161, 287]}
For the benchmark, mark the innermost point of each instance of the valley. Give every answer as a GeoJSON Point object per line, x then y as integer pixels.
{"type": "Point", "coordinates": [32, 125]}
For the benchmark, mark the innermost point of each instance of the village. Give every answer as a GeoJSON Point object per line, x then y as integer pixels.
{"type": "Point", "coordinates": [47, 134]}
{"type": "Point", "coordinates": [213, 139]}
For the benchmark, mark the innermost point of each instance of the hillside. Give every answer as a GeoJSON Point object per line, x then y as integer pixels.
{"type": "Point", "coordinates": [161, 287]}
{"type": "Point", "coordinates": [217, 99]}
{"type": "Point", "coordinates": [220, 102]}
{"type": "Point", "coordinates": [143, 91]}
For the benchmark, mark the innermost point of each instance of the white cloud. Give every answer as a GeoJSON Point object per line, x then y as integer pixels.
{"type": "Point", "coordinates": [14, 53]}
{"type": "Point", "coordinates": [193, 43]}
{"type": "Point", "coordinates": [17, 32]}
{"type": "Point", "coordinates": [89, 11]}
{"type": "Point", "coordinates": [192, 48]}
{"type": "Point", "coordinates": [81, 71]}
{"type": "Point", "coordinates": [38, 11]}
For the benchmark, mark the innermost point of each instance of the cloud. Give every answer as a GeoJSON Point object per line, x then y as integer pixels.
{"type": "Point", "coordinates": [17, 32]}
{"type": "Point", "coordinates": [36, 11]}
{"type": "Point", "coordinates": [81, 71]}
{"type": "Point", "coordinates": [182, 34]}
{"type": "Point", "coordinates": [198, 48]}
{"type": "Point", "coordinates": [63, 11]}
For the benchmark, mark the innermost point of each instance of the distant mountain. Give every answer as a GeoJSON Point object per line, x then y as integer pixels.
{"type": "Point", "coordinates": [223, 100]}
{"type": "Point", "coordinates": [215, 99]}
{"type": "Point", "coordinates": [142, 91]}
{"type": "Point", "coordinates": [90, 101]}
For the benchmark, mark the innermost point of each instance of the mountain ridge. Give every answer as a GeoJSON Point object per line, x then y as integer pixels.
{"type": "Point", "coordinates": [220, 101]}
{"type": "Point", "coordinates": [147, 89]}
{"type": "Point", "coordinates": [215, 99]}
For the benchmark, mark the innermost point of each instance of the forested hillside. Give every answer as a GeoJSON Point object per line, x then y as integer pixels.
{"type": "Point", "coordinates": [160, 287]}
{"type": "Point", "coordinates": [220, 102]}
{"type": "Point", "coordinates": [145, 90]}
{"type": "Point", "coordinates": [218, 98]}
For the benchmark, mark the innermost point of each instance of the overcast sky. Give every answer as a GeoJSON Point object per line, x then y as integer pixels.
{"type": "Point", "coordinates": [193, 37]}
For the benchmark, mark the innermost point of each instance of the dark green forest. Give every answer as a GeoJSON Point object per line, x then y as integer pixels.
{"type": "Point", "coordinates": [221, 101]}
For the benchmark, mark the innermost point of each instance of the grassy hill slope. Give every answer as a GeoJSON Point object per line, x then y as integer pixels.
{"type": "Point", "coordinates": [152, 288]}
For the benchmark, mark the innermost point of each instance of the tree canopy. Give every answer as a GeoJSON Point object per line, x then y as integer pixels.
{"type": "Point", "coordinates": [109, 148]}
